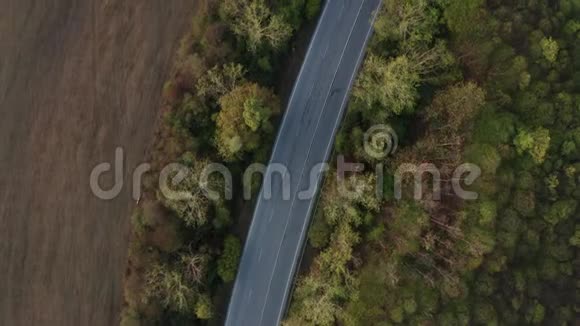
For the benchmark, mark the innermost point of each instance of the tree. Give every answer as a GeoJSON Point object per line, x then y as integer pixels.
{"type": "Point", "coordinates": [413, 23]}
{"type": "Point", "coordinates": [456, 106]}
{"type": "Point", "coordinates": [166, 236]}
{"type": "Point", "coordinates": [465, 18]}
{"type": "Point", "coordinates": [319, 233]}
{"type": "Point", "coordinates": [410, 306]}
{"type": "Point", "coordinates": [405, 229]}
{"type": "Point", "coordinates": [168, 285]}
{"type": "Point", "coordinates": [254, 21]}
{"type": "Point", "coordinates": [535, 314]}
{"type": "Point", "coordinates": [194, 266]}
{"type": "Point", "coordinates": [575, 239]}
{"type": "Point", "coordinates": [486, 156]}
{"type": "Point", "coordinates": [344, 200]}
{"type": "Point", "coordinates": [560, 211]}
{"type": "Point", "coordinates": [524, 202]}
{"type": "Point", "coordinates": [255, 113]}
{"type": "Point", "coordinates": [190, 117]}
{"type": "Point", "coordinates": [390, 85]}
{"type": "Point", "coordinates": [397, 314]}
{"type": "Point", "coordinates": [187, 198]}
{"type": "Point", "coordinates": [204, 308]}
{"type": "Point", "coordinates": [230, 258]}
{"type": "Point", "coordinates": [244, 120]}
{"type": "Point", "coordinates": [494, 128]}
{"type": "Point", "coordinates": [485, 285]}
{"type": "Point", "coordinates": [484, 313]}
{"type": "Point", "coordinates": [314, 303]}
{"type": "Point", "coordinates": [333, 260]}
{"type": "Point", "coordinates": [535, 143]}
{"type": "Point", "coordinates": [219, 81]}
{"type": "Point", "coordinates": [488, 213]}
{"type": "Point", "coordinates": [550, 49]}
{"type": "Point", "coordinates": [223, 217]}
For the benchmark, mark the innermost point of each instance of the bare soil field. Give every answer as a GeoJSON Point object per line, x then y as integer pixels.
{"type": "Point", "coordinates": [77, 80]}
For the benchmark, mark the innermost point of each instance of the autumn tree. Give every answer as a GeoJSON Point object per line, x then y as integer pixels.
{"type": "Point", "coordinates": [456, 106]}
{"type": "Point", "coordinates": [389, 85]}
{"type": "Point", "coordinates": [169, 285]}
{"type": "Point", "coordinates": [314, 303]}
{"type": "Point", "coordinates": [254, 21]}
{"type": "Point", "coordinates": [180, 191]}
{"type": "Point", "coordinates": [245, 120]}
{"type": "Point", "coordinates": [220, 80]}
{"type": "Point", "coordinates": [412, 23]}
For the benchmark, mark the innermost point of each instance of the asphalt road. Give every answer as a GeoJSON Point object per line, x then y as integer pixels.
{"type": "Point", "coordinates": [315, 109]}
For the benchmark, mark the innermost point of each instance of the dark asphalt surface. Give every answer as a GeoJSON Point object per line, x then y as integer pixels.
{"type": "Point", "coordinates": [279, 226]}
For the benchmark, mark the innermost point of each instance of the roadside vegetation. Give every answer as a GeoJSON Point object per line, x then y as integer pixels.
{"type": "Point", "coordinates": [219, 105]}
{"type": "Point", "coordinates": [494, 83]}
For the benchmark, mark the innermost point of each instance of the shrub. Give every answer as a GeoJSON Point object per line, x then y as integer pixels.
{"type": "Point", "coordinates": [230, 258]}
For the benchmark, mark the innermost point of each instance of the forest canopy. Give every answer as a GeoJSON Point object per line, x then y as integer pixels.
{"type": "Point", "coordinates": [493, 83]}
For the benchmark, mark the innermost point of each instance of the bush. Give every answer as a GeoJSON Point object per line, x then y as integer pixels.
{"type": "Point", "coordinates": [230, 258]}
{"type": "Point", "coordinates": [312, 8]}
{"type": "Point", "coordinates": [204, 308]}
{"type": "Point", "coordinates": [319, 233]}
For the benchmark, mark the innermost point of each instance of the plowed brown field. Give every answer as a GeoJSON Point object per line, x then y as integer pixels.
{"type": "Point", "coordinates": [77, 79]}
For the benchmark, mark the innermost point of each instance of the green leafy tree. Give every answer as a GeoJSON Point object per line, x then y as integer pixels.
{"type": "Point", "coordinates": [334, 259]}
{"type": "Point", "coordinates": [413, 23]}
{"type": "Point", "coordinates": [488, 213]}
{"type": "Point", "coordinates": [410, 306]}
{"type": "Point", "coordinates": [319, 233]}
{"type": "Point", "coordinates": [550, 49]}
{"type": "Point", "coordinates": [536, 143]}
{"type": "Point", "coordinates": [256, 113]}
{"type": "Point", "coordinates": [575, 239]}
{"type": "Point", "coordinates": [312, 8]}
{"type": "Point", "coordinates": [535, 314]}
{"type": "Point", "coordinates": [560, 211]}
{"type": "Point", "coordinates": [485, 314]}
{"type": "Point", "coordinates": [230, 258]}
{"type": "Point", "coordinates": [465, 18]}
{"type": "Point", "coordinates": [204, 308]}
{"type": "Point", "coordinates": [343, 200]}
{"type": "Point", "coordinates": [244, 120]}
{"type": "Point", "coordinates": [397, 314]}
{"type": "Point", "coordinates": [494, 128]}
{"type": "Point", "coordinates": [486, 156]}
{"type": "Point", "coordinates": [314, 303]}
{"type": "Point", "coordinates": [390, 85]}
{"type": "Point", "coordinates": [406, 228]}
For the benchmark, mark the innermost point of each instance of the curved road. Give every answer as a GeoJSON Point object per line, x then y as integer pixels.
{"type": "Point", "coordinates": [280, 222]}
